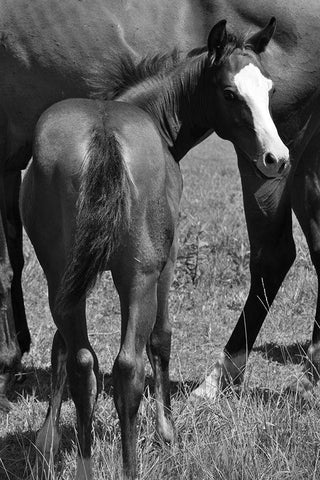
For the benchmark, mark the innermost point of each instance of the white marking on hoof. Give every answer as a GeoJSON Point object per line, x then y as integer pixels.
{"type": "Point", "coordinates": [208, 389]}
{"type": "Point", "coordinates": [225, 372]}
{"type": "Point", "coordinates": [164, 425]}
{"type": "Point", "coordinates": [84, 469]}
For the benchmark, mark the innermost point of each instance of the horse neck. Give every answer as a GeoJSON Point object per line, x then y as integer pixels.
{"type": "Point", "coordinates": [175, 103]}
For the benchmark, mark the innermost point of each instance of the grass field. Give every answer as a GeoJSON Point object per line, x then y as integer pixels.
{"type": "Point", "coordinates": [262, 433]}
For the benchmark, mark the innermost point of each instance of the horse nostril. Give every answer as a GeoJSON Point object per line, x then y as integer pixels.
{"type": "Point", "coordinates": [270, 159]}
{"type": "Point", "coordinates": [284, 165]}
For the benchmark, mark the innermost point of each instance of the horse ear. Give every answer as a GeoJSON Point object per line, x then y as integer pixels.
{"type": "Point", "coordinates": [217, 41]}
{"type": "Point", "coordinates": [260, 40]}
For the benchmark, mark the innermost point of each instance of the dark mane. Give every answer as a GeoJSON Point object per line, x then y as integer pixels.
{"type": "Point", "coordinates": [116, 75]}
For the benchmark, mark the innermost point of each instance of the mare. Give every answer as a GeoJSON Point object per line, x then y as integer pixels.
{"type": "Point", "coordinates": [103, 192]}
{"type": "Point", "coordinates": [48, 49]}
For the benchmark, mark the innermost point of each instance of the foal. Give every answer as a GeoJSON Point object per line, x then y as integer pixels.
{"type": "Point", "coordinates": [103, 192]}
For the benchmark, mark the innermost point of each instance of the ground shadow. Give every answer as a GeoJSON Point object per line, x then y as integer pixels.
{"type": "Point", "coordinates": [18, 449]}
{"type": "Point", "coordinates": [15, 449]}
{"type": "Point", "coordinates": [294, 353]}
{"type": "Point", "coordinates": [36, 382]}
{"type": "Point", "coordinates": [18, 452]}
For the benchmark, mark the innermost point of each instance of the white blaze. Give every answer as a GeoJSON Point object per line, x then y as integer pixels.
{"type": "Point", "coordinates": [254, 88]}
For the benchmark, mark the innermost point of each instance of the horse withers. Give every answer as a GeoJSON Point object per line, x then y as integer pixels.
{"type": "Point", "coordinates": [103, 192]}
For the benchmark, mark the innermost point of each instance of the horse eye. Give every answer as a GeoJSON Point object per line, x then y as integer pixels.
{"type": "Point", "coordinates": [229, 95]}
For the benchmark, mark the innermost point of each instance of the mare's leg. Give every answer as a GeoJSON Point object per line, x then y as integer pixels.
{"type": "Point", "coordinates": [14, 237]}
{"type": "Point", "coordinates": [11, 261]}
{"type": "Point", "coordinates": [268, 217]}
{"type": "Point", "coordinates": [158, 349]}
{"type": "Point", "coordinates": [10, 354]}
{"type": "Point", "coordinates": [138, 298]}
{"type": "Point", "coordinates": [305, 195]}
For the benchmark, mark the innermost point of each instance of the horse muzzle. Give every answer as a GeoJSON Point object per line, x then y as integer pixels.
{"type": "Point", "coordinates": [273, 166]}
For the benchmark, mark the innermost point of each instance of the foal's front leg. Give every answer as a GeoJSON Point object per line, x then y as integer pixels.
{"type": "Point", "coordinates": [138, 297]}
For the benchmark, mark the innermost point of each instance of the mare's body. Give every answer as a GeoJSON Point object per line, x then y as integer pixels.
{"type": "Point", "coordinates": [103, 192]}
{"type": "Point", "coordinates": [47, 51]}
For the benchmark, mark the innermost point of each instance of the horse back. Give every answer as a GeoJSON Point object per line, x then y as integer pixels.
{"type": "Point", "coordinates": [62, 143]}
{"type": "Point", "coordinates": [74, 140]}
{"type": "Point", "coordinates": [64, 131]}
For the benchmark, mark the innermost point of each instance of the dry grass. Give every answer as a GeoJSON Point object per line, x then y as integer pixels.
{"type": "Point", "coordinates": [259, 433]}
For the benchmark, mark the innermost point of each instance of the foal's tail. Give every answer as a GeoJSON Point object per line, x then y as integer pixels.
{"type": "Point", "coordinates": [103, 214]}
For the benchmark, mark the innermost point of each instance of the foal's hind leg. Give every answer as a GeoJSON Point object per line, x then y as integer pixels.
{"type": "Point", "coordinates": [48, 437]}
{"type": "Point", "coordinates": [72, 356]}
{"type": "Point", "coordinates": [82, 369]}
{"type": "Point", "coordinates": [138, 297]}
{"type": "Point", "coordinates": [158, 349]}
{"type": "Point", "coordinates": [306, 205]}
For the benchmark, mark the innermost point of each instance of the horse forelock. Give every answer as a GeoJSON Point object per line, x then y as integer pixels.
{"type": "Point", "coordinates": [234, 41]}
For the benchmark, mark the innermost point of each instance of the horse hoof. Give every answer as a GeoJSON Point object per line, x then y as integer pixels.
{"type": "Point", "coordinates": [5, 405]}
{"type": "Point", "coordinates": [166, 432]}
{"type": "Point", "coordinates": [208, 389]}
{"type": "Point", "coordinates": [42, 471]}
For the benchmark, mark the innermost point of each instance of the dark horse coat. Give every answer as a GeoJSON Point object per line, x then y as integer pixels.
{"type": "Point", "coordinates": [47, 51]}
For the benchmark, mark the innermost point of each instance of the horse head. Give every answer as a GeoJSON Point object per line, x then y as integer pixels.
{"type": "Point", "coordinates": [242, 93]}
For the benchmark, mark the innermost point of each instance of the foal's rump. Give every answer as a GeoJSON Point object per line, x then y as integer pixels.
{"type": "Point", "coordinates": [95, 196]}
